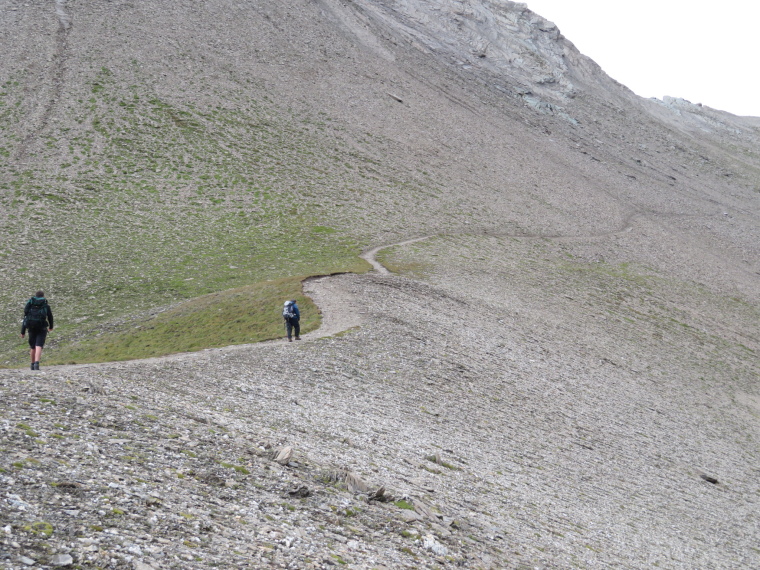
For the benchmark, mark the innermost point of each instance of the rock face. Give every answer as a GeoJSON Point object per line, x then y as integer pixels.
{"type": "Point", "coordinates": [514, 50]}
{"type": "Point", "coordinates": [505, 39]}
{"type": "Point", "coordinates": [553, 364]}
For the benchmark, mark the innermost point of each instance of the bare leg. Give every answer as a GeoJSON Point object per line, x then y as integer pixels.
{"type": "Point", "coordinates": [37, 354]}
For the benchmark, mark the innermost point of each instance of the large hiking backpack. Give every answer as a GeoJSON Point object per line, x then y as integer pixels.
{"type": "Point", "coordinates": [288, 312]}
{"type": "Point", "coordinates": [36, 317]}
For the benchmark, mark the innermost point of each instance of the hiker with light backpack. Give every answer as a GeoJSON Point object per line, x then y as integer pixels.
{"type": "Point", "coordinates": [292, 316]}
{"type": "Point", "coordinates": [38, 321]}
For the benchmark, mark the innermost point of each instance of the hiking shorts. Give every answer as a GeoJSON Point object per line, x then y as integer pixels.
{"type": "Point", "coordinates": [37, 337]}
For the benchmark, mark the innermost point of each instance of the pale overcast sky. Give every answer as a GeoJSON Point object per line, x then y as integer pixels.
{"type": "Point", "coordinates": [706, 52]}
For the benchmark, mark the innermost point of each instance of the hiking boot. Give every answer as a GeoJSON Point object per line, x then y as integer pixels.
{"type": "Point", "coordinates": [298, 338]}
{"type": "Point", "coordinates": [36, 366]}
{"type": "Point", "coordinates": [291, 340]}
{"type": "Point", "coordinates": [31, 366]}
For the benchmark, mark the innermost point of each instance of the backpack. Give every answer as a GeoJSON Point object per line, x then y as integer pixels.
{"type": "Point", "coordinates": [37, 315]}
{"type": "Point", "coordinates": [288, 311]}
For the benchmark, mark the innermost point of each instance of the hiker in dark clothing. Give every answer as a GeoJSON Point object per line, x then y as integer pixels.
{"type": "Point", "coordinates": [292, 316]}
{"type": "Point", "coordinates": [38, 321]}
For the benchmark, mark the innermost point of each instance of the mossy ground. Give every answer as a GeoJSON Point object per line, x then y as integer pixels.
{"type": "Point", "coordinates": [237, 316]}
{"type": "Point", "coordinates": [149, 203]}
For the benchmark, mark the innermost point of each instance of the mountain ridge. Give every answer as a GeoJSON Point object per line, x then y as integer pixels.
{"type": "Point", "coordinates": [562, 374]}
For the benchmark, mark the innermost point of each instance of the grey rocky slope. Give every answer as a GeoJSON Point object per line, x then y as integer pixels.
{"type": "Point", "coordinates": [564, 374]}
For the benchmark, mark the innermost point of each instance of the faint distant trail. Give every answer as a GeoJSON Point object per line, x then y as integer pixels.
{"type": "Point", "coordinates": [341, 310]}
{"type": "Point", "coordinates": [371, 255]}
{"type": "Point", "coordinates": [63, 16]}
{"type": "Point", "coordinates": [52, 92]}
{"type": "Point", "coordinates": [626, 226]}
{"type": "Point", "coordinates": [337, 302]}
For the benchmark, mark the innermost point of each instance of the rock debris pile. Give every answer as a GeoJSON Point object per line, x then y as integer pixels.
{"type": "Point", "coordinates": [421, 439]}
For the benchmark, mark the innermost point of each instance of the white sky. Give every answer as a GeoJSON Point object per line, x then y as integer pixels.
{"type": "Point", "coordinates": [706, 52]}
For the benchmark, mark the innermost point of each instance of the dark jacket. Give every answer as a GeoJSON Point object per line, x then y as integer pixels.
{"type": "Point", "coordinates": [29, 306]}
{"type": "Point", "coordinates": [295, 310]}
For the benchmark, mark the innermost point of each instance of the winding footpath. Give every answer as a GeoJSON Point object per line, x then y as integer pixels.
{"type": "Point", "coordinates": [338, 304]}
{"type": "Point", "coordinates": [371, 255]}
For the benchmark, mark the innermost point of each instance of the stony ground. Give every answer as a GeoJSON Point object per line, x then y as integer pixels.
{"type": "Point", "coordinates": [553, 365]}
{"type": "Point", "coordinates": [493, 443]}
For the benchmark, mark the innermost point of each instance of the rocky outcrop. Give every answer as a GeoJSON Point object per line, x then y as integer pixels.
{"type": "Point", "coordinates": [519, 51]}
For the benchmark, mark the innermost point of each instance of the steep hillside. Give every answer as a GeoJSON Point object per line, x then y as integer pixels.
{"type": "Point", "coordinates": [156, 153]}
{"type": "Point", "coordinates": [561, 372]}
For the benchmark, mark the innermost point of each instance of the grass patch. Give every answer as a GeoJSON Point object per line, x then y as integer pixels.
{"type": "Point", "coordinates": [414, 268]}
{"type": "Point", "coordinates": [163, 201]}
{"type": "Point", "coordinates": [238, 468]}
{"type": "Point", "coordinates": [346, 332]}
{"type": "Point", "coordinates": [438, 461]}
{"type": "Point", "coordinates": [39, 528]}
{"type": "Point", "coordinates": [237, 316]}
{"type": "Point", "coordinates": [402, 504]}
{"type": "Point", "coordinates": [27, 429]}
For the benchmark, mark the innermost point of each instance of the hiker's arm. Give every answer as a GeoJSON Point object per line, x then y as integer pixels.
{"type": "Point", "coordinates": [50, 317]}
{"type": "Point", "coordinates": [23, 323]}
